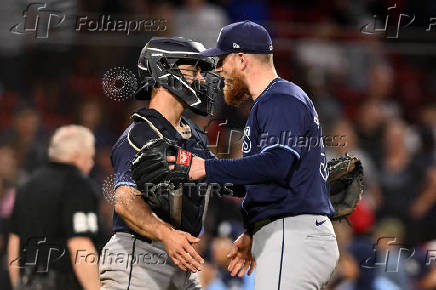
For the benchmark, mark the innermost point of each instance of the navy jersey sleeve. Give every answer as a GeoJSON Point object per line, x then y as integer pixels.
{"type": "Point", "coordinates": [272, 165]}
{"type": "Point", "coordinates": [281, 122]}
{"type": "Point", "coordinates": [234, 190]}
{"type": "Point", "coordinates": [125, 150]}
{"type": "Point", "coordinates": [121, 157]}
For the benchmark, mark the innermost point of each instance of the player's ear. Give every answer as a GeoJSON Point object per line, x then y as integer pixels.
{"type": "Point", "coordinates": [242, 61]}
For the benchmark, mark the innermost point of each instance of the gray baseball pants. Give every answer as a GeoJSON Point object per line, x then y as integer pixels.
{"type": "Point", "coordinates": [129, 263]}
{"type": "Point", "coordinates": [298, 252]}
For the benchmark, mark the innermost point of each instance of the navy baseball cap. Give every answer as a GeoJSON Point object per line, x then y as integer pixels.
{"type": "Point", "coordinates": [245, 36]}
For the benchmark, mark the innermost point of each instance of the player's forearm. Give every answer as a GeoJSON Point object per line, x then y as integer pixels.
{"type": "Point", "coordinates": [264, 167]}
{"type": "Point", "coordinates": [13, 254]}
{"type": "Point", "coordinates": [138, 215]}
{"type": "Point", "coordinates": [86, 272]}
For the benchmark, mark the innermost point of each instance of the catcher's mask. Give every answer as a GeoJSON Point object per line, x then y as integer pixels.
{"type": "Point", "coordinates": [158, 66]}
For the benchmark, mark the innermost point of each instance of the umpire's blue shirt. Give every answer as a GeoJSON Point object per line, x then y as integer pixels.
{"type": "Point", "coordinates": [284, 164]}
{"type": "Point", "coordinates": [136, 135]}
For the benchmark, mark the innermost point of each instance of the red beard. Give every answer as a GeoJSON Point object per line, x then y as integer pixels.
{"type": "Point", "coordinates": [235, 90]}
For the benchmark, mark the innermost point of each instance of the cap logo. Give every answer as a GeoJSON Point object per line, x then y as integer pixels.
{"type": "Point", "coordinates": [235, 45]}
{"type": "Point", "coordinates": [219, 35]}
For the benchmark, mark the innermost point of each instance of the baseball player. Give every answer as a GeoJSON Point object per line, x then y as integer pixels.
{"type": "Point", "coordinates": [286, 209]}
{"type": "Point", "coordinates": [152, 226]}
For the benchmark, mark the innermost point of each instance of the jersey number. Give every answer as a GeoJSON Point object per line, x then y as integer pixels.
{"type": "Point", "coordinates": [83, 222]}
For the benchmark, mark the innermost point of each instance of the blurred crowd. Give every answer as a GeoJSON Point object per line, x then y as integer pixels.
{"type": "Point", "coordinates": [376, 98]}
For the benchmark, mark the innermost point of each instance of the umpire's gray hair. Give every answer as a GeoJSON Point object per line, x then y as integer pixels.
{"type": "Point", "coordinates": [68, 140]}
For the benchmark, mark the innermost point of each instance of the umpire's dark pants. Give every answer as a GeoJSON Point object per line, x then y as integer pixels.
{"type": "Point", "coordinates": [51, 280]}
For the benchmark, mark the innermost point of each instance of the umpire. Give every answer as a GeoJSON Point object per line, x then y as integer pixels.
{"type": "Point", "coordinates": [54, 219]}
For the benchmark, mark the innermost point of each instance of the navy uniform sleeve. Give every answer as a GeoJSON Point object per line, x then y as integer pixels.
{"type": "Point", "coordinates": [122, 155]}
{"type": "Point", "coordinates": [282, 123]}
{"type": "Point", "coordinates": [272, 165]}
{"type": "Point", "coordinates": [233, 190]}
{"type": "Point", "coordinates": [125, 150]}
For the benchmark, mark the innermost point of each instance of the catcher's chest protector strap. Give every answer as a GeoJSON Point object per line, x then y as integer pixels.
{"type": "Point", "coordinates": [175, 196]}
{"type": "Point", "coordinates": [135, 117]}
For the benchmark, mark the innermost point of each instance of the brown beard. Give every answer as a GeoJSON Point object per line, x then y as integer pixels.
{"type": "Point", "coordinates": [235, 90]}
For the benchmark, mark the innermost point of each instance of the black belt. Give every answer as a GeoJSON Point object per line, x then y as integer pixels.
{"type": "Point", "coordinates": [136, 236]}
{"type": "Point", "coordinates": [254, 227]}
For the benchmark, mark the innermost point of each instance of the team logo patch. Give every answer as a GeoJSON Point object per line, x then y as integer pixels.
{"type": "Point", "coordinates": [184, 158]}
{"type": "Point", "coordinates": [246, 144]}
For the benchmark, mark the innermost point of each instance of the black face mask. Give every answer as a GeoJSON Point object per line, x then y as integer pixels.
{"type": "Point", "coordinates": [160, 67]}
{"type": "Point", "coordinates": [207, 91]}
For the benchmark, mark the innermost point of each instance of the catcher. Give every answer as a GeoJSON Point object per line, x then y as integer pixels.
{"type": "Point", "coordinates": [289, 235]}
{"type": "Point", "coordinates": [153, 221]}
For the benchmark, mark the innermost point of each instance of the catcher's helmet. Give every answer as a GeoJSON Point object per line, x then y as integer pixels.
{"type": "Point", "coordinates": [158, 66]}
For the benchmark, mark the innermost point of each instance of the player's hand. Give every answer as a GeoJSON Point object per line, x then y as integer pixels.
{"type": "Point", "coordinates": [240, 255]}
{"type": "Point", "coordinates": [178, 246]}
{"type": "Point", "coordinates": [197, 170]}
